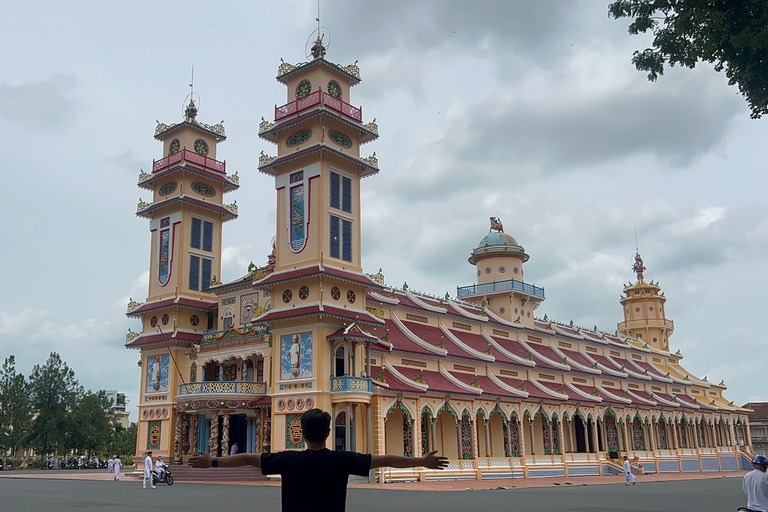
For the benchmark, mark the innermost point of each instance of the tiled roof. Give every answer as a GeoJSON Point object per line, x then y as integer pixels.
{"type": "Point", "coordinates": [200, 304]}
{"type": "Point", "coordinates": [761, 410]}
{"type": "Point", "coordinates": [156, 339]}
{"type": "Point", "coordinates": [315, 309]}
{"type": "Point", "coordinates": [316, 270]}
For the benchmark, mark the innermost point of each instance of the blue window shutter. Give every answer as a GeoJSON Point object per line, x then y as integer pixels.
{"type": "Point", "coordinates": [346, 195]}
{"type": "Point", "coordinates": [208, 236]}
{"type": "Point", "coordinates": [206, 274]}
{"type": "Point", "coordinates": [335, 236]}
{"type": "Point", "coordinates": [194, 273]}
{"type": "Point", "coordinates": [335, 200]}
{"type": "Point", "coordinates": [195, 240]}
{"type": "Point", "coordinates": [346, 237]}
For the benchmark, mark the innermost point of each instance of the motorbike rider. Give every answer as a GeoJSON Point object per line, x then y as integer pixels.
{"type": "Point", "coordinates": [755, 485]}
{"type": "Point", "coordinates": [160, 467]}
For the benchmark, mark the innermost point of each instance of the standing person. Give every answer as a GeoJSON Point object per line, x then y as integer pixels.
{"type": "Point", "coordinates": [755, 485]}
{"type": "Point", "coordinates": [148, 471]}
{"type": "Point", "coordinates": [316, 479]}
{"type": "Point", "coordinates": [628, 476]}
{"type": "Point", "coordinates": [110, 464]}
{"type": "Point", "coordinates": [233, 449]}
{"type": "Point", "coordinates": [117, 464]}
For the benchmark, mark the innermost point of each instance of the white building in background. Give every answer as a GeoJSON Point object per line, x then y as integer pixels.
{"type": "Point", "coordinates": [118, 402]}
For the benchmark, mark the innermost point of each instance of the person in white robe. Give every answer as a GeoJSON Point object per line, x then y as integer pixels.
{"type": "Point", "coordinates": [628, 476]}
{"type": "Point", "coordinates": [148, 471]}
{"type": "Point", "coordinates": [117, 464]}
{"type": "Point", "coordinates": [160, 467]}
{"type": "Point", "coordinates": [110, 464]}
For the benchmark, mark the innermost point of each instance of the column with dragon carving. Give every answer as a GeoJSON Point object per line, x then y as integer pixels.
{"type": "Point", "coordinates": [177, 437]}
{"type": "Point", "coordinates": [213, 442]}
{"type": "Point", "coordinates": [225, 434]}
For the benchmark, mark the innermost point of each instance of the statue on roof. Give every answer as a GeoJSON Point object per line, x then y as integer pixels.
{"type": "Point", "coordinates": [318, 50]}
{"type": "Point", "coordinates": [497, 225]}
{"type": "Point", "coordinates": [638, 267]}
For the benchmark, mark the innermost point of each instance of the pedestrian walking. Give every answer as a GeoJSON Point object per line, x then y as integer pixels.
{"type": "Point", "coordinates": [110, 464]}
{"type": "Point", "coordinates": [148, 471]}
{"type": "Point", "coordinates": [629, 477]}
{"type": "Point", "coordinates": [117, 464]}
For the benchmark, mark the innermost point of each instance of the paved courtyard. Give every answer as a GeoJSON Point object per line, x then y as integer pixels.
{"type": "Point", "coordinates": [46, 495]}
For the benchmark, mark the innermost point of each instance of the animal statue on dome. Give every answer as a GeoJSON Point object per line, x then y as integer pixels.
{"type": "Point", "coordinates": [638, 267]}
{"type": "Point", "coordinates": [497, 225]}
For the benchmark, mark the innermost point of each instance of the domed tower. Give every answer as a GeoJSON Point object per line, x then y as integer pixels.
{"type": "Point", "coordinates": [644, 315]}
{"type": "Point", "coordinates": [500, 287]}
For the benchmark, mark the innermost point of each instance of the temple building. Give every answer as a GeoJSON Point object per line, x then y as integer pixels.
{"type": "Point", "coordinates": [480, 377]}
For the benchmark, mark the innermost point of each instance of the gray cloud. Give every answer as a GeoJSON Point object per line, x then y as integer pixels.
{"type": "Point", "coordinates": [45, 105]}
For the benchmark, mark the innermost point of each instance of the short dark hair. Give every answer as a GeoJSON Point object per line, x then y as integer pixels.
{"type": "Point", "coordinates": [149, 453]}
{"type": "Point", "coordinates": [315, 425]}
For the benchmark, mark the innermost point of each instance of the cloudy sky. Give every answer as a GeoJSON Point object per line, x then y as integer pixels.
{"type": "Point", "coordinates": [528, 111]}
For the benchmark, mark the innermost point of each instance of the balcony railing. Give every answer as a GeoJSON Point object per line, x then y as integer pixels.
{"type": "Point", "coordinates": [223, 388]}
{"type": "Point", "coordinates": [499, 286]}
{"type": "Point", "coordinates": [186, 155]}
{"type": "Point", "coordinates": [349, 383]}
{"type": "Point", "coordinates": [316, 98]}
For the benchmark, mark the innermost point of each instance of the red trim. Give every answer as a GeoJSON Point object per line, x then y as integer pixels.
{"type": "Point", "coordinates": [346, 314]}
{"type": "Point", "coordinates": [150, 339]}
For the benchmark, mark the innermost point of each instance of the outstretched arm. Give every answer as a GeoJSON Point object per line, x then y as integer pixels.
{"type": "Point", "coordinates": [203, 460]}
{"type": "Point", "coordinates": [430, 460]}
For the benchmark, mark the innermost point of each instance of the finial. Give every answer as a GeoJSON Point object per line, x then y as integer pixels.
{"type": "Point", "coordinates": [496, 225]}
{"type": "Point", "coordinates": [191, 111]}
{"type": "Point", "coordinates": [638, 267]}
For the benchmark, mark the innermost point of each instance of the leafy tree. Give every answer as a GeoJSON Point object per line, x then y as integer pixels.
{"type": "Point", "coordinates": [15, 407]}
{"type": "Point", "coordinates": [89, 425]}
{"type": "Point", "coordinates": [731, 34]}
{"type": "Point", "coordinates": [123, 440]}
{"type": "Point", "coordinates": [53, 393]}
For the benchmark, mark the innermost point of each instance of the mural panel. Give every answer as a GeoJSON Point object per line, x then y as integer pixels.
{"type": "Point", "coordinates": [153, 435]}
{"type": "Point", "coordinates": [248, 304]}
{"type": "Point", "coordinates": [157, 373]}
{"type": "Point", "coordinates": [293, 437]}
{"type": "Point", "coordinates": [296, 356]}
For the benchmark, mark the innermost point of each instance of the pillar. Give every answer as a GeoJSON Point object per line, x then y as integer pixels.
{"type": "Point", "coordinates": [432, 433]}
{"type": "Point", "coordinates": [225, 434]}
{"type": "Point", "coordinates": [595, 445]}
{"type": "Point", "coordinates": [193, 434]}
{"type": "Point", "coordinates": [248, 435]}
{"type": "Point", "coordinates": [348, 427]}
{"type": "Point", "coordinates": [551, 438]}
{"type": "Point", "coordinates": [177, 438]}
{"type": "Point", "coordinates": [570, 435]}
{"type": "Point", "coordinates": [561, 437]}
{"type": "Point", "coordinates": [533, 438]}
{"type": "Point", "coordinates": [521, 433]}
{"type": "Point", "coordinates": [509, 435]}
{"type": "Point", "coordinates": [416, 433]}
{"type": "Point", "coordinates": [487, 437]}
{"type": "Point", "coordinates": [213, 441]}
{"type": "Point", "coordinates": [747, 433]}
{"type": "Point", "coordinates": [586, 434]}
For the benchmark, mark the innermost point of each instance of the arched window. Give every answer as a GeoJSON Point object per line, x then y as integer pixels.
{"type": "Point", "coordinates": [229, 319]}
{"type": "Point", "coordinates": [340, 361]}
{"type": "Point", "coordinates": [340, 432]}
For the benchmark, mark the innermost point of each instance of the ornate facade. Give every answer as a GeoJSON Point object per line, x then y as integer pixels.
{"type": "Point", "coordinates": [478, 377]}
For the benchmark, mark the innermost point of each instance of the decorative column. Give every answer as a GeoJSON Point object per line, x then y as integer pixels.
{"type": "Point", "coordinates": [650, 427]}
{"type": "Point", "coordinates": [560, 437]}
{"type": "Point", "coordinates": [747, 433]}
{"type": "Point", "coordinates": [533, 436]}
{"type": "Point", "coordinates": [432, 433]}
{"type": "Point", "coordinates": [193, 434]}
{"type": "Point", "coordinates": [595, 445]}
{"type": "Point", "coordinates": [570, 435]}
{"type": "Point", "coordinates": [487, 437]}
{"type": "Point", "coordinates": [260, 448]}
{"type": "Point", "coordinates": [509, 436]}
{"type": "Point", "coordinates": [416, 432]}
{"type": "Point", "coordinates": [348, 427]}
{"type": "Point", "coordinates": [225, 434]}
{"type": "Point", "coordinates": [521, 433]}
{"type": "Point", "coordinates": [586, 435]}
{"type": "Point", "coordinates": [549, 432]}
{"type": "Point", "coordinates": [177, 437]}
{"type": "Point", "coordinates": [248, 435]}
{"type": "Point", "coordinates": [213, 442]}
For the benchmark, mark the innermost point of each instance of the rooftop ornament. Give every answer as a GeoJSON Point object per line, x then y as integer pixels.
{"type": "Point", "coordinates": [638, 267]}
{"type": "Point", "coordinates": [496, 225]}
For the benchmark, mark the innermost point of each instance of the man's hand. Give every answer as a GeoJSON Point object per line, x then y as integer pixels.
{"type": "Point", "coordinates": [432, 461]}
{"type": "Point", "coordinates": [203, 460]}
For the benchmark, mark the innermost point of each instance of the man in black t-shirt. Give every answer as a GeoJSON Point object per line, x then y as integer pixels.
{"type": "Point", "coordinates": [316, 479]}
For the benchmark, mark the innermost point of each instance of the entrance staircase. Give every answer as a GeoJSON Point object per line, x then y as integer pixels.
{"type": "Point", "coordinates": [183, 474]}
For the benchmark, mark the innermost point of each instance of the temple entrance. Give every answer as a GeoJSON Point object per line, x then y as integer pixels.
{"type": "Point", "coordinates": [578, 432]}
{"type": "Point", "coordinates": [238, 426]}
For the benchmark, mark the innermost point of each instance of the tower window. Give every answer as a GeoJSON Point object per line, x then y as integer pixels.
{"type": "Point", "coordinates": [341, 193]}
{"type": "Point", "coordinates": [341, 238]}
{"type": "Point", "coordinates": [229, 319]}
{"type": "Point", "coordinates": [199, 273]}
{"type": "Point", "coordinates": [202, 235]}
